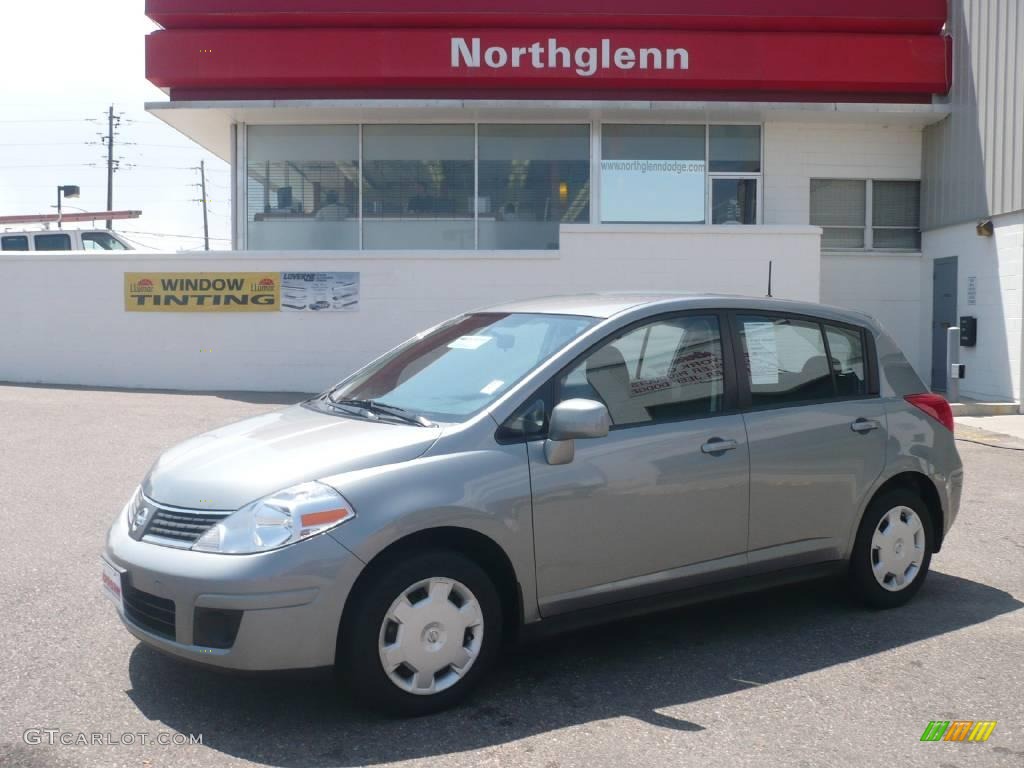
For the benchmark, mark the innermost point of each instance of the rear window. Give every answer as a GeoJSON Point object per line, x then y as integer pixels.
{"type": "Point", "coordinates": [791, 360]}
{"type": "Point", "coordinates": [55, 242]}
{"type": "Point", "coordinates": [785, 360]}
{"type": "Point", "coordinates": [14, 243]}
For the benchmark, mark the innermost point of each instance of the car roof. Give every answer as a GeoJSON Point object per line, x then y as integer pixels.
{"type": "Point", "coordinates": [606, 305]}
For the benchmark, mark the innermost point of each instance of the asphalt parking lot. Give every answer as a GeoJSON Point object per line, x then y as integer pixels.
{"type": "Point", "coordinates": [793, 677]}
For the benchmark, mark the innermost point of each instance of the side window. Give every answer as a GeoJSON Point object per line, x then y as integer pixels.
{"type": "Point", "coordinates": [14, 243]}
{"type": "Point", "coordinates": [101, 241]}
{"type": "Point", "coordinates": [666, 370]}
{"type": "Point", "coordinates": [53, 242]}
{"type": "Point", "coordinates": [785, 360]}
{"type": "Point", "coordinates": [846, 347]}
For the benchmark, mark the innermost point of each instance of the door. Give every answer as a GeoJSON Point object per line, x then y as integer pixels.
{"type": "Point", "coordinates": [817, 434]}
{"type": "Point", "coordinates": [944, 287]}
{"type": "Point", "coordinates": [661, 502]}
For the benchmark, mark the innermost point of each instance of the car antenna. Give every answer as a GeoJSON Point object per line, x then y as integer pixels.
{"type": "Point", "coordinates": [770, 279]}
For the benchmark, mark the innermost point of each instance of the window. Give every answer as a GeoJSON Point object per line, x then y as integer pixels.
{"type": "Point", "coordinates": [14, 243]}
{"type": "Point", "coordinates": [846, 348]}
{"type": "Point", "coordinates": [463, 366]}
{"type": "Point", "coordinates": [670, 173]}
{"type": "Point", "coordinates": [653, 174]}
{"type": "Point", "coordinates": [418, 183]}
{"type": "Point", "coordinates": [735, 148]}
{"type": "Point", "coordinates": [667, 370]}
{"type": "Point", "coordinates": [101, 241]}
{"type": "Point", "coordinates": [896, 214]}
{"type": "Point", "coordinates": [785, 361]}
{"type": "Point", "coordinates": [839, 207]}
{"type": "Point", "coordinates": [892, 220]}
{"type": "Point", "coordinates": [302, 187]}
{"type": "Point", "coordinates": [54, 242]}
{"type": "Point", "coordinates": [533, 178]}
{"type": "Point", "coordinates": [733, 201]}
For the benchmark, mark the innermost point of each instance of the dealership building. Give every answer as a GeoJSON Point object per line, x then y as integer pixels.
{"type": "Point", "coordinates": [456, 153]}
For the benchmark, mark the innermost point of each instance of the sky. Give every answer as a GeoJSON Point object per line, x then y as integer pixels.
{"type": "Point", "coordinates": [63, 64]}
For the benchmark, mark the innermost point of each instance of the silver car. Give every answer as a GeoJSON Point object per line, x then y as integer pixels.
{"type": "Point", "coordinates": [536, 466]}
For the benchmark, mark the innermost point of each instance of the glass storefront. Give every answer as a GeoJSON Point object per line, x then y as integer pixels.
{"type": "Point", "coordinates": [653, 174]}
{"type": "Point", "coordinates": [488, 186]}
{"type": "Point", "coordinates": [533, 178]}
{"type": "Point", "coordinates": [418, 187]}
{"type": "Point", "coordinates": [303, 187]}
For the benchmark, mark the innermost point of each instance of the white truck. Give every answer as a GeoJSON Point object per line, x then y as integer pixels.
{"type": "Point", "coordinates": [63, 240]}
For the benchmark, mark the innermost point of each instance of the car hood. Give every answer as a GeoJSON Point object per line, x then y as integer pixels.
{"type": "Point", "coordinates": [229, 467]}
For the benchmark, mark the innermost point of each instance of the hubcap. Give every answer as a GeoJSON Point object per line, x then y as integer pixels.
{"type": "Point", "coordinates": [431, 636]}
{"type": "Point", "coordinates": [897, 548]}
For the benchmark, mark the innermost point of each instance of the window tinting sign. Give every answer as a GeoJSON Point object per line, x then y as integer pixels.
{"type": "Point", "coordinates": [201, 291]}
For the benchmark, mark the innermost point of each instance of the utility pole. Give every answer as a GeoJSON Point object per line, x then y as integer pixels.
{"type": "Point", "coordinates": [112, 122]}
{"type": "Point", "coordinates": [206, 215]}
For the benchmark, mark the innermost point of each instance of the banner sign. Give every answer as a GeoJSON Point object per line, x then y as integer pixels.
{"type": "Point", "coordinates": [319, 291]}
{"type": "Point", "coordinates": [241, 291]}
{"type": "Point", "coordinates": [574, 60]}
{"type": "Point", "coordinates": [202, 291]}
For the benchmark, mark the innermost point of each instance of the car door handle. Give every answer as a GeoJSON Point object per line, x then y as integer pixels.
{"type": "Point", "coordinates": [718, 445]}
{"type": "Point", "coordinates": [864, 425]}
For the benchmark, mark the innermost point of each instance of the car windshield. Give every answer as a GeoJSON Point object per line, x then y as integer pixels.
{"type": "Point", "coordinates": [461, 367]}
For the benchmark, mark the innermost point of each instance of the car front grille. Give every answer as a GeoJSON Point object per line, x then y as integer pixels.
{"type": "Point", "coordinates": [152, 613]}
{"type": "Point", "coordinates": [181, 526]}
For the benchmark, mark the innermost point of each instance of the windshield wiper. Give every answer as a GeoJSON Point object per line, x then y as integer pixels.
{"type": "Point", "coordinates": [389, 410]}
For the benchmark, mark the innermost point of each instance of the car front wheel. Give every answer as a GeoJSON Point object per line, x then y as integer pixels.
{"type": "Point", "coordinates": [420, 633]}
{"type": "Point", "coordinates": [893, 549]}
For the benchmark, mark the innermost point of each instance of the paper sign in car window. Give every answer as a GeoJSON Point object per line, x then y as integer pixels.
{"type": "Point", "coordinates": [493, 387]}
{"type": "Point", "coordinates": [469, 342]}
{"type": "Point", "coordinates": [763, 351]}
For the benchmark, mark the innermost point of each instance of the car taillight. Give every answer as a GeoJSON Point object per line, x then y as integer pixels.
{"type": "Point", "coordinates": [935, 406]}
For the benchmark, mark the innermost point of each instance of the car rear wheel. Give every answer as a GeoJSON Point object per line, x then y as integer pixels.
{"type": "Point", "coordinates": [420, 633]}
{"type": "Point", "coordinates": [893, 549]}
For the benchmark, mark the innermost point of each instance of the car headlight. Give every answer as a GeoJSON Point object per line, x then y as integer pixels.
{"type": "Point", "coordinates": [137, 512]}
{"type": "Point", "coordinates": [278, 520]}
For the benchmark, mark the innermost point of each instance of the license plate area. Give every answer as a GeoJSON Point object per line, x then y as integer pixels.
{"type": "Point", "coordinates": [113, 584]}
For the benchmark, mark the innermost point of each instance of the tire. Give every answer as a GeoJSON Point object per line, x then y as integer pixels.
{"type": "Point", "coordinates": [435, 593]}
{"type": "Point", "coordinates": [878, 564]}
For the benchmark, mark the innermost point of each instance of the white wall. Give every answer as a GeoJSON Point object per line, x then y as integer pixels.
{"type": "Point", "coordinates": [62, 316]}
{"type": "Point", "coordinates": [891, 287]}
{"type": "Point", "coordinates": [994, 365]}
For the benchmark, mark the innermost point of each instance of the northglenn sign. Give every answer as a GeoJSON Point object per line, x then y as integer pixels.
{"type": "Point", "coordinates": [584, 61]}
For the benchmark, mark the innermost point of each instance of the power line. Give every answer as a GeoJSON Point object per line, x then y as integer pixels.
{"type": "Point", "coordinates": [168, 234]}
{"type": "Point", "coordinates": [78, 120]}
{"type": "Point", "coordinates": [51, 165]}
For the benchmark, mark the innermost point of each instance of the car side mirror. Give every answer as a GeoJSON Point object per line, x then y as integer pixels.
{"type": "Point", "coordinates": [576, 419]}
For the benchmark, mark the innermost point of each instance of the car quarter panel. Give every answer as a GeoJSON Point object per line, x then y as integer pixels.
{"type": "Point", "coordinates": [917, 443]}
{"type": "Point", "coordinates": [459, 484]}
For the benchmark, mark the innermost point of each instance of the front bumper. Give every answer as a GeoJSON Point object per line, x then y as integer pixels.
{"type": "Point", "coordinates": [290, 599]}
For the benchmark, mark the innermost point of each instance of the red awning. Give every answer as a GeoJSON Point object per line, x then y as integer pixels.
{"type": "Point", "coordinates": [875, 16]}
